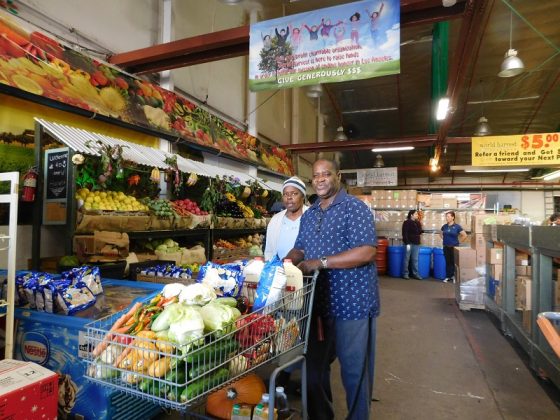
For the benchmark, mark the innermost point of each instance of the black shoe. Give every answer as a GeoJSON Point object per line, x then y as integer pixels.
{"type": "Point", "coordinates": [406, 277]}
{"type": "Point", "coordinates": [418, 277]}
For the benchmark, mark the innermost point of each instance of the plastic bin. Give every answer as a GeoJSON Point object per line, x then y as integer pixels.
{"type": "Point", "coordinates": [439, 264]}
{"type": "Point", "coordinates": [424, 261]}
{"type": "Point", "coordinates": [396, 255]}
{"type": "Point", "coordinates": [381, 255]}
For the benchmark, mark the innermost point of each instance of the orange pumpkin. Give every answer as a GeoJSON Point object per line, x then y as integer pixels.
{"type": "Point", "coordinates": [247, 390]}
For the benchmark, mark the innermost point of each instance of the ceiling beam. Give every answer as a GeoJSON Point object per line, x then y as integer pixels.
{"type": "Point", "coordinates": [234, 42]}
{"type": "Point", "coordinates": [351, 145]}
{"type": "Point", "coordinates": [476, 14]}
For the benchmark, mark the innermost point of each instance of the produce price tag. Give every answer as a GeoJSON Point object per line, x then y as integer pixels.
{"type": "Point", "coordinates": [517, 150]}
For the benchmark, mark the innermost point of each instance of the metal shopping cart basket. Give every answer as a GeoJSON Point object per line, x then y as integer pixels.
{"type": "Point", "coordinates": [549, 323]}
{"type": "Point", "coordinates": [180, 377]}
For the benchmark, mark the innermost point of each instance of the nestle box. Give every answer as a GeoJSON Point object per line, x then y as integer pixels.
{"type": "Point", "coordinates": [465, 257]}
{"type": "Point", "coordinates": [28, 391]}
{"type": "Point", "coordinates": [496, 271]}
{"type": "Point", "coordinates": [495, 255]}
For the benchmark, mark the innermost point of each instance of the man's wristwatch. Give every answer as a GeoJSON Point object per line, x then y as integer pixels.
{"type": "Point", "coordinates": [324, 262]}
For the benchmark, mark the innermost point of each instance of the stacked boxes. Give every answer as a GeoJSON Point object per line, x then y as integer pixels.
{"type": "Point", "coordinates": [523, 281]}
{"type": "Point", "coordinates": [556, 291]}
{"type": "Point", "coordinates": [393, 199]}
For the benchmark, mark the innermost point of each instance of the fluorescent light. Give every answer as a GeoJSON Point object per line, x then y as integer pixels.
{"type": "Point", "coordinates": [551, 176]}
{"type": "Point", "coordinates": [367, 111]}
{"type": "Point", "coordinates": [499, 170]}
{"type": "Point", "coordinates": [392, 149]}
{"type": "Point", "coordinates": [442, 108]}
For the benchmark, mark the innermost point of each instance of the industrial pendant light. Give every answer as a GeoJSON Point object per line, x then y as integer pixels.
{"type": "Point", "coordinates": [379, 162]}
{"type": "Point", "coordinates": [314, 91]}
{"type": "Point", "coordinates": [482, 128]}
{"type": "Point", "coordinates": [340, 136]}
{"type": "Point", "coordinates": [231, 2]}
{"type": "Point", "coordinates": [512, 64]}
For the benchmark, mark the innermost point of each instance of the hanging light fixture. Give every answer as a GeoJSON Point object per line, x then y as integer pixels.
{"type": "Point", "coordinates": [512, 64]}
{"type": "Point", "coordinates": [482, 128]}
{"type": "Point", "coordinates": [379, 162]}
{"type": "Point", "coordinates": [231, 2]}
{"type": "Point", "coordinates": [314, 91]}
{"type": "Point", "coordinates": [340, 136]}
{"type": "Point", "coordinates": [448, 3]}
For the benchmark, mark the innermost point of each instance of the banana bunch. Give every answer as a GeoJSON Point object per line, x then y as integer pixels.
{"type": "Point", "coordinates": [154, 176]}
{"type": "Point", "coordinates": [230, 197]}
{"type": "Point", "coordinates": [193, 178]}
{"type": "Point", "coordinates": [247, 212]}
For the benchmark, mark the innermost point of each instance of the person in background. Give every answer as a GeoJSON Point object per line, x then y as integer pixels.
{"type": "Point", "coordinates": [411, 231]}
{"type": "Point", "coordinates": [337, 236]}
{"type": "Point", "coordinates": [554, 219]}
{"type": "Point", "coordinates": [283, 228]}
{"type": "Point", "coordinates": [452, 234]}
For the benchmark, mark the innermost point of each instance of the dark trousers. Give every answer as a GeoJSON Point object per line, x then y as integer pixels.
{"type": "Point", "coordinates": [353, 342]}
{"type": "Point", "coordinates": [448, 252]}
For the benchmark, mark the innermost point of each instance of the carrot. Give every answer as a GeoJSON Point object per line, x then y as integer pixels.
{"type": "Point", "coordinates": [118, 324]}
{"type": "Point", "coordinates": [122, 356]}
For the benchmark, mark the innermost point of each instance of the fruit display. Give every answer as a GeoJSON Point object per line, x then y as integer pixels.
{"type": "Point", "coordinates": [35, 63]}
{"type": "Point", "coordinates": [160, 207]}
{"type": "Point", "coordinates": [186, 207]}
{"type": "Point", "coordinates": [250, 245]}
{"type": "Point", "coordinates": [227, 208]}
{"type": "Point", "coordinates": [108, 200]}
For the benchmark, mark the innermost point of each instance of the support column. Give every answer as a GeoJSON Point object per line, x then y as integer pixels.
{"type": "Point", "coordinates": [252, 96]}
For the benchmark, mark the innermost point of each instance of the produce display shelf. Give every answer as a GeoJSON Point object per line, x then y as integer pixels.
{"type": "Point", "coordinates": [236, 232]}
{"type": "Point", "coordinates": [276, 333]}
{"type": "Point", "coordinates": [167, 233]}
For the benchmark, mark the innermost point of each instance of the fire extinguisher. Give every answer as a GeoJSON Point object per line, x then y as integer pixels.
{"type": "Point", "coordinates": [29, 185]}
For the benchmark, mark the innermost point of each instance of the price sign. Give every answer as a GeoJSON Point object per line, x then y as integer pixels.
{"type": "Point", "coordinates": [55, 186]}
{"type": "Point", "coordinates": [519, 150]}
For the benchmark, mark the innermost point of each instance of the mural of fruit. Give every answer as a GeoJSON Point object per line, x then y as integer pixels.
{"type": "Point", "coordinates": [27, 84]}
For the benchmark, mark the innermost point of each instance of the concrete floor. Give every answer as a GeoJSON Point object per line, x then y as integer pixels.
{"type": "Point", "coordinates": [436, 362]}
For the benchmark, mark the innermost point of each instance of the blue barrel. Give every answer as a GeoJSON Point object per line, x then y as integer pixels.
{"type": "Point", "coordinates": [395, 256]}
{"type": "Point", "coordinates": [424, 261]}
{"type": "Point", "coordinates": [439, 264]}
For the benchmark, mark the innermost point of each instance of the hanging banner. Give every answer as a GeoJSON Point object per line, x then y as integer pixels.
{"type": "Point", "coordinates": [39, 65]}
{"type": "Point", "coordinates": [352, 41]}
{"type": "Point", "coordinates": [517, 150]}
{"type": "Point", "coordinates": [377, 177]}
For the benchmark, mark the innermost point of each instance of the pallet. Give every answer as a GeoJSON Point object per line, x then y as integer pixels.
{"type": "Point", "coordinates": [468, 306]}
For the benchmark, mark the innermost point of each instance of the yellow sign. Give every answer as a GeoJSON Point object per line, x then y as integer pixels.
{"type": "Point", "coordinates": [518, 150]}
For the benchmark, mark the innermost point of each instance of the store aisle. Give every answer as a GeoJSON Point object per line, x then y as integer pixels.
{"type": "Point", "coordinates": [436, 362]}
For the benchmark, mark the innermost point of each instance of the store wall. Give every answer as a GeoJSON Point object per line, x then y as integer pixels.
{"type": "Point", "coordinates": [52, 240]}
{"type": "Point", "coordinates": [532, 204]}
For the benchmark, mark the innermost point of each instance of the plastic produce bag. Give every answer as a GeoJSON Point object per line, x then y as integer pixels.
{"type": "Point", "coordinates": [271, 284]}
{"type": "Point", "coordinates": [226, 279]}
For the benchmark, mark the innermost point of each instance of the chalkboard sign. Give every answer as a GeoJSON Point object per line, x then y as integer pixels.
{"type": "Point", "coordinates": [56, 174]}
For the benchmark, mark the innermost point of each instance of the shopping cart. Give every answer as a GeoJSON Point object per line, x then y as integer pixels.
{"type": "Point", "coordinates": [180, 377]}
{"type": "Point", "coordinates": [549, 323]}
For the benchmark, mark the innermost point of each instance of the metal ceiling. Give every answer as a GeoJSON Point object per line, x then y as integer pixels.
{"type": "Point", "coordinates": [399, 108]}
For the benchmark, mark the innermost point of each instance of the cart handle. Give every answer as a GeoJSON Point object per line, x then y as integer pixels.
{"type": "Point", "coordinates": [549, 331]}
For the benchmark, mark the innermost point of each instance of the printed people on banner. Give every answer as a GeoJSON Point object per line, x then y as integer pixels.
{"type": "Point", "coordinates": [267, 41]}
{"type": "Point", "coordinates": [355, 28]}
{"type": "Point", "coordinates": [296, 37]}
{"type": "Point", "coordinates": [282, 36]}
{"type": "Point", "coordinates": [339, 33]}
{"type": "Point", "coordinates": [374, 24]}
{"type": "Point", "coordinates": [313, 31]}
{"type": "Point", "coordinates": [326, 31]}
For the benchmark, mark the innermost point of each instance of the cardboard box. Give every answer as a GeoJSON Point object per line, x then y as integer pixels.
{"type": "Point", "coordinates": [555, 293]}
{"type": "Point", "coordinates": [84, 245]}
{"type": "Point", "coordinates": [478, 241]}
{"type": "Point", "coordinates": [449, 203]}
{"type": "Point", "coordinates": [521, 258]}
{"type": "Point", "coordinates": [26, 381]}
{"type": "Point", "coordinates": [496, 271]}
{"type": "Point", "coordinates": [523, 293]}
{"type": "Point", "coordinates": [465, 257]}
{"type": "Point", "coordinates": [113, 244]}
{"type": "Point", "coordinates": [495, 255]}
{"type": "Point", "coordinates": [477, 221]}
{"type": "Point", "coordinates": [527, 321]}
{"type": "Point", "coordinates": [523, 270]}
{"type": "Point", "coordinates": [465, 274]}
{"type": "Point", "coordinates": [480, 257]}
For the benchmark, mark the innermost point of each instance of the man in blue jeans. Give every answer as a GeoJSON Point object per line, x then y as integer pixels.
{"type": "Point", "coordinates": [411, 231]}
{"type": "Point", "coordinates": [337, 237]}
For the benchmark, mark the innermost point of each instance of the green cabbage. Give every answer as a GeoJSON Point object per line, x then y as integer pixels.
{"type": "Point", "coordinates": [218, 318]}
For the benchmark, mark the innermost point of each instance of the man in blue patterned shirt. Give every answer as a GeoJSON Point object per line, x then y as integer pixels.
{"type": "Point", "coordinates": [337, 236]}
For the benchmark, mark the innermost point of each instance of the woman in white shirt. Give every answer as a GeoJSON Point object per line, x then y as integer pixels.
{"type": "Point", "coordinates": [283, 228]}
